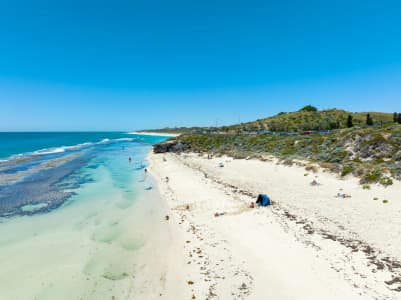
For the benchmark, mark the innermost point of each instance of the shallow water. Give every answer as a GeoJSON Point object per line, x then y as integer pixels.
{"type": "Point", "coordinates": [73, 229]}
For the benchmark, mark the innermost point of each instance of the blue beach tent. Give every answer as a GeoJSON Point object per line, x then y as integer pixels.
{"type": "Point", "coordinates": [263, 200]}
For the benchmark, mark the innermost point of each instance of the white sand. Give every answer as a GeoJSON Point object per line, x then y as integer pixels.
{"type": "Point", "coordinates": [308, 245]}
{"type": "Point", "coordinates": [154, 133]}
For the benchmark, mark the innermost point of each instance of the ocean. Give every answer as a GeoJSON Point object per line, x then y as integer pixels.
{"type": "Point", "coordinates": [75, 212]}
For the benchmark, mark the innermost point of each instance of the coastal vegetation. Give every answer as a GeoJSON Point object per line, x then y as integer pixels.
{"type": "Point", "coordinates": [369, 148]}
{"type": "Point", "coordinates": [307, 118]}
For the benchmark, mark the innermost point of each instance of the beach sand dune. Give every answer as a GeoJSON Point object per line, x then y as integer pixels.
{"type": "Point", "coordinates": [307, 245]}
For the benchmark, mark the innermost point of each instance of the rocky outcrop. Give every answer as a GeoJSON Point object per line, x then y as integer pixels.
{"type": "Point", "coordinates": [170, 146]}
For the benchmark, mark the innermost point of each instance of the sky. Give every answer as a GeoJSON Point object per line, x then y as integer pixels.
{"type": "Point", "coordinates": [128, 65]}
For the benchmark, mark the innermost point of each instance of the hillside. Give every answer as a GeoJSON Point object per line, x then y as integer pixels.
{"type": "Point", "coordinates": [298, 121]}
{"type": "Point", "coordinates": [304, 120]}
{"type": "Point", "coordinates": [373, 153]}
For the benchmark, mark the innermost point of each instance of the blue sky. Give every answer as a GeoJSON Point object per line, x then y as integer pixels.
{"type": "Point", "coordinates": [122, 65]}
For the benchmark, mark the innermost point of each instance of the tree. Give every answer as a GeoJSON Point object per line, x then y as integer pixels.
{"type": "Point", "coordinates": [399, 118]}
{"type": "Point", "coordinates": [395, 117]}
{"type": "Point", "coordinates": [349, 122]}
{"type": "Point", "coordinates": [308, 108]}
{"type": "Point", "coordinates": [369, 120]}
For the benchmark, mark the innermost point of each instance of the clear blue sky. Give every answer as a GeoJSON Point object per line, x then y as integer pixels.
{"type": "Point", "coordinates": [122, 65]}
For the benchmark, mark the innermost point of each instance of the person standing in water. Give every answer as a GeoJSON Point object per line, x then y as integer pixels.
{"type": "Point", "coordinates": [145, 175]}
{"type": "Point", "coordinates": [129, 159]}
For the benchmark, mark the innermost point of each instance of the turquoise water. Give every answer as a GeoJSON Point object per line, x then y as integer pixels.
{"type": "Point", "coordinates": [76, 220]}
{"type": "Point", "coordinates": [14, 143]}
{"type": "Point", "coordinates": [40, 171]}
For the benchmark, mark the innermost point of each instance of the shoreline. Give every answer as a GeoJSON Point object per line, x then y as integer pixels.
{"type": "Point", "coordinates": [155, 133]}
{"type": "Point", "coordinates": [282, 251]}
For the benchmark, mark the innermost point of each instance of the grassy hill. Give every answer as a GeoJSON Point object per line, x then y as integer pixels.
{"type": "Point", "coordinates": [302, 120]}
{"type": "Point", "coordinates": [309, 120]}
{"type": "Point", "coordinates": [372, 153]}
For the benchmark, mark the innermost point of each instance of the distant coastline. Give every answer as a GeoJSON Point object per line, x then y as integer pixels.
{"type": "Point", "coordinates": [155, 133]}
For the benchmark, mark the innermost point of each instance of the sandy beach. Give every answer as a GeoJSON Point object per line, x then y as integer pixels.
{"type": "Point", "coordinates": [308, 245]}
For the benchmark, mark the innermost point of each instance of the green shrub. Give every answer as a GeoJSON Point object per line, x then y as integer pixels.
{"type": "Point", "coordinates": [346, 170]}
{"type": "Point", "coordinates": [366, 187]}
{"type": "Point", "coordinates": [386, 181]}
{"type": "Point", "coordinates": [385, 201]}
{"type": "Point", "coordinates": [372, 177]}
{"type": "Point", "coordinates": [288, 150]}
{"type": "Point", "coordinates": [308, 108]}
{"type": "Point", "coordinates": [376, 138]}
